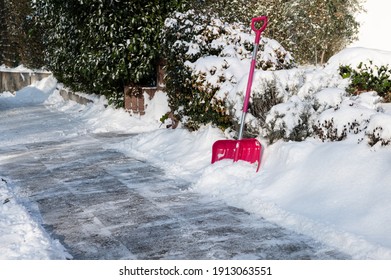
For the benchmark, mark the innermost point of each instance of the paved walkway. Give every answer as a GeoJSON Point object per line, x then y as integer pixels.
{"type": "Point", "coordinates": [101, 204]}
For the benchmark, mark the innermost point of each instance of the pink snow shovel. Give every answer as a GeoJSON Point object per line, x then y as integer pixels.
{"type": "Point", "coordinates": [249, 149]}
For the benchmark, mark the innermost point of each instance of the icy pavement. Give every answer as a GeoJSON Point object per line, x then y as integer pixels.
{"type": "Point", "coordinates": [101, 204]}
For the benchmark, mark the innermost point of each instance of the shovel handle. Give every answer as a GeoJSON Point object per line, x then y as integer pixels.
{"type": "Point", "coordinates": [258, 31]}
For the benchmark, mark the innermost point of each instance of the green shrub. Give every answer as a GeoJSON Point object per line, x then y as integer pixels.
{"type": "Point", "coordinates": [368, 78]}
{"type": "Point", "coordinates": [102, 45]}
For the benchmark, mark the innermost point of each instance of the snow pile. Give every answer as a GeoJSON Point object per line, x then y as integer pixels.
{"type": "Point", "coordinates": [103, 118]}
{"type": "Point", "coordinates": [35, 94]}
{"type": "Point", "coordinates": [20, 236]}
{"type": "Point", "coordinates": [354, 56]}
{"type": "Point", "coordinates": [179, 152]}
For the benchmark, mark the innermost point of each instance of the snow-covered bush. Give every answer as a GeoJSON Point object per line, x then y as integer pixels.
{"type": "Point", "coordinates": [205, 59]}
{"type": "Point", "coordinates": [336, 124]}
{"type": "Point", "coordinates": [289, 120]}
{"type": "Point", "coordinates": [314, 102]}
{"type": "Point", "coordinates": [352, 116]}
{"type": "Point", "coordinates": [292, 99]}
{"type": "Point", "coordinates": [295, 104]}
{"type": "Point", "coordinates": [379, 130]}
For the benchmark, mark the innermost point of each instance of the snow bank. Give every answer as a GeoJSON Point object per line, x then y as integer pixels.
{"type": "Point", "coordinates": [179, 152]}
{"type": "Point", "coordinates": [101, 117]}
{"type": "Point", "coordinates": [36, 93]}
{"type": "Point", "coordinates": [353, 57]}
{"type": "Point", "coordinates": [337, 193]}
{"type": "Point", "coordinates": [20, 236]}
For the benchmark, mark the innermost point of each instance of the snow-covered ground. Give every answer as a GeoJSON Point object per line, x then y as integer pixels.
{"type": "Point", "coordinates": [336, 192]}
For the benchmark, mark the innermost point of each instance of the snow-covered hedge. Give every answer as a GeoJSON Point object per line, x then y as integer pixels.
{"type": "Point", "coordinates": [205, 59]}
{"type": "Point", "coordinates": [319, 105]}
{"type": "Point", "coordinates": [290, 104]}
{"type": "Point", "coordinates": [302, 97]}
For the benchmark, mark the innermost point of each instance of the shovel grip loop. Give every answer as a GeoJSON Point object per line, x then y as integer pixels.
{"type": "Point", "coordinates": [258, 31]}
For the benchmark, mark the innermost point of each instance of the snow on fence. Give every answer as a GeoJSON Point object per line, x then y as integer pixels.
{"type": "Point", "coordinates": [13, 79]}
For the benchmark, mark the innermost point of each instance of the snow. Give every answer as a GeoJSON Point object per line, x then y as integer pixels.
{"type": "Point", "coordinates": [336, 192]}
{"type": "Point", "coordinates": [20, 235]}
{"type": "Point", "coordinates": [354, 55]}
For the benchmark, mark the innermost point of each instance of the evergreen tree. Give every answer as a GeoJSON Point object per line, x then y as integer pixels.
{"type": "Point", "coordinates": [313, 30]}
{"type": "Point", "coordinates": [20, 42]}
{"type": "Point", "coordinates": [228, 10]}
{"type": "Point", "coordinates": [3, 33]}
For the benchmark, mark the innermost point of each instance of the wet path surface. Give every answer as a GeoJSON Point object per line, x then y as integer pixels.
{"type": "Point", "coordinates": [102, 204]}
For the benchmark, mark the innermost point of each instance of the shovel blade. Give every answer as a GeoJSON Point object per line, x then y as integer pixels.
{"type": "Point", "coordinates": [248, 149]}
